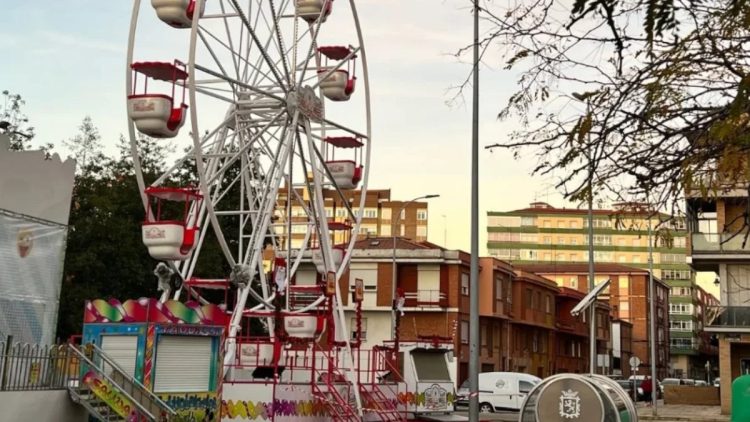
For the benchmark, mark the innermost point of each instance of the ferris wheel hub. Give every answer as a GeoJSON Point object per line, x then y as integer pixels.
{"type": "Point", "coordinates": [306, 102]}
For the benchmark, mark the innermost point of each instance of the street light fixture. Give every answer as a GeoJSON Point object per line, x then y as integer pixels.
{"type": "Point", "coordinates": [397, 223]}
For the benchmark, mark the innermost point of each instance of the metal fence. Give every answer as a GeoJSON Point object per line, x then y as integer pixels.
{"type": "Point", "coordinates": [26, 367]}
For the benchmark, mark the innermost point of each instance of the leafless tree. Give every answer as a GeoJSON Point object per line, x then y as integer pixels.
{"type": "Point", "coordinates": [650, 95]}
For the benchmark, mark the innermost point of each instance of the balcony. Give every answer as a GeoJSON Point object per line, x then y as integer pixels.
{"type": "Point", "coordinates": [719, 243]}
{"type": "Point", "coordinates": [728, 319]}
{"type": "Point", "coordinates": [426, 299]}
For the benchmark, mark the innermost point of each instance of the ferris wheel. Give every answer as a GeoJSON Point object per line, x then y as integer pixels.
{"type": "Point", "coordinates": [270, 101]}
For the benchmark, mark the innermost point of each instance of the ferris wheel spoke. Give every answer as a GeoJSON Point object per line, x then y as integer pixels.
{"type": "Point", "coordinates": [239, 83]}
{"type": "Point", "coordinates": [282, 50]}
{"type": "Point", "coordinates": [248, 144]}
{"type": "Point", "coordinates": [313, 44]}
{"type": "Point", "coordinates": [231, 43]}
{"type": "Point", "coordinates": [258, 44]}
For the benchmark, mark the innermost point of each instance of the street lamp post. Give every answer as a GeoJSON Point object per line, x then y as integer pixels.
{"type": "Point", "coordinates": [397, 223]}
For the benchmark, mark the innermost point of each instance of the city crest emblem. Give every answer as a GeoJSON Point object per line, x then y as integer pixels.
{"type": "Point", "coordinates": [570, 404]}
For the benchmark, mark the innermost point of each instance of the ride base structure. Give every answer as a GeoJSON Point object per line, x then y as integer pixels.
{"type": "Point", "coordinates": [176, 351]}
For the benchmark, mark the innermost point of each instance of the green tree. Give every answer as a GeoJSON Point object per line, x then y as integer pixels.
{"type": "Point", "coordinates": [15, 122]}
{"type": "Point", "coordinates": [87, 148]}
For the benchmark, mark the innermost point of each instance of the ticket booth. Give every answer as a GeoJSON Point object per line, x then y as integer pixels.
{"type": "Point", "coordinates": [174, 349]}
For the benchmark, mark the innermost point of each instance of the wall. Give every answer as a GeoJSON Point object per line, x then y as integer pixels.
{"type": "Point", "coordinates": [34, 186]}
{"type": "Point", "coordinates": [39, 406]}
{"type": "Point", "coordinates": [691, 395]}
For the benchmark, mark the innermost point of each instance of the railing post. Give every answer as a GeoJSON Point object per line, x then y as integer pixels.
{"type": "Point", "coordinates": [6, 359]}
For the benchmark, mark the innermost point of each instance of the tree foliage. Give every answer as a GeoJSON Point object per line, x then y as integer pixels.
{"type": "Point", "coordinates": [652, 94]}
{"type": "Point", "coordinates": [16, 122]}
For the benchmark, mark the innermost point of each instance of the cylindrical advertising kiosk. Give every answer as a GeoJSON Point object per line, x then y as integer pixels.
{"type": "Point", "coordinates": [576, 397]}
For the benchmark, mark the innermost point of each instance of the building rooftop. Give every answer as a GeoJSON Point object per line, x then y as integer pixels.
{"type": "Point", "coordinates": [622, 208]}
{"type": "Point", "coordinates": [384, 242]}
{"type": "Point", "coordinates": [582, 268]}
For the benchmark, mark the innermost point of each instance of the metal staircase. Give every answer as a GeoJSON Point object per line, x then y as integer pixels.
{"type": "Point", "coordinates": [335, 391]}
{"type": "Point", "coordinates": [110, 394]}
{"type": "Point", "coordinates": [378, 404]}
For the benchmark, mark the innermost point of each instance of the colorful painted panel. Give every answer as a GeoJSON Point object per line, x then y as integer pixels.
{"type": "Point", "coordinates": [194, 406]}
{"type": "Point", "coordinates": [109, 394]}
{"type": "Point", "coordinates": [151, 310]}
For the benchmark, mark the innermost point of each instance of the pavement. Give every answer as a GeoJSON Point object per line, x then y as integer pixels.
{"type": "Point", "coordinates": [681, 413]}
{"type": "Point", "coordinates": [665, 413]}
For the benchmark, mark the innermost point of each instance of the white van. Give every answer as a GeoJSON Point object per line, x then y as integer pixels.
{"type": "Point", "coordinates": [499, 390]}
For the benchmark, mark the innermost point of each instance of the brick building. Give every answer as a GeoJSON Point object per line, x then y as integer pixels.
{"type": "Point", "coordinates": [525, 322]}
{"type": "Point", "coordinates": [628, 298]}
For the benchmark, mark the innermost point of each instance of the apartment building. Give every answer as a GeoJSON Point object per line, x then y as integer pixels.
{"type": "Point", "coordinates": [628, 298]}
{"type": "Point", "coordinates": [381, 215]}
{"type": "Point", "coordinates": [718, 243]}
{"type": "Point", "coordinates": [542, 233]}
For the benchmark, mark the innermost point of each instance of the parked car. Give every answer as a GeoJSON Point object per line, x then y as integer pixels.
{"type": "Point", "coordinates": [626, 385]}
{"type": "Point", "coordinates": [717, 382]}
{"type": "Point", "coordinates": [638, 380]}
{"type": "Point", "coordinates": [499, 390]}
{"type": "Point", "coordinates": [669, 381]}
{"type": "Point", "coordinates": [701, 383]}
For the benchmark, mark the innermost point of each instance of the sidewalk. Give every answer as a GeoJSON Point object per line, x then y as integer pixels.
{"type": "Point", "coordinates": [678, 413]}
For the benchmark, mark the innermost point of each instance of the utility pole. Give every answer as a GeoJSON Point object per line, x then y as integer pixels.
{"type": "Point", "coordinates": [474, 275]}
{"type": "Point", "coordinates": [592, 282]}
{"type": "Point", "coordinates": [652, 315]}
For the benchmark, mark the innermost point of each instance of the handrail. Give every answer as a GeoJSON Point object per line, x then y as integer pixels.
{"type": "Point", "coordinates": [83, 357]}
{"type": "Point", "coordinates": [132, 379]}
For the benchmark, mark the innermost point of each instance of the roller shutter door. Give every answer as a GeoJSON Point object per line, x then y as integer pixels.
{"type": "Point", "coordinates": [183, 364]}
{"type": "Point", "coordinates": [122, 350]}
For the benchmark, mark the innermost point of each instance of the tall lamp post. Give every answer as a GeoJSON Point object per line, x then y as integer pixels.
{"type": "Point", "coordinates": [397, 223]}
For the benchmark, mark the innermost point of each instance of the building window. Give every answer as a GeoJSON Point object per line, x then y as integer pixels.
{"type": "Point", "coordinates": [681, 308]}
{"type": "Point", "coordinates": [636, 259]}
{"type": "Point", "coordinates": [465, 332]}
{"type": "Point", "coordinates": [529, 299]}
{"type": "Point", "coordinates": [561, 240]}
{"type": "Point", "coordinates": [676, 274]}
{"type": "Point", "coordinates": [528, 221]}
{"type": "Point", "coordinates": [573, 257]}
{"type": "Point", "coordinates": [498, 288]}
{"type": "Point", "coordinates": [561, 257]}
{"type": "Point", "coordinates": [573, 241]}
{"type": "Point", "coordinates": [372, 213]}
{"type": "Point", "coordinates": [599, 240]}
{"type": "Point", "coordinates": [548, 304]}
{"type": "Point", "coordinates": [679, 242]}
{"type": "Point", "coordinates": [683, 343]}
{"type": "Point", "coordinates": [547, 224]}
{"type": "Point", "coordinates": [562, 225]}
{"type": "Point", "coordinates": [548, 257]}
{"type": "Point", "coordinates": [547, 240]}
{"type": "Point", "coordinates": [528, 238]}
{"type": "Point", "coordinates": [622, 258]}
{"type": "Point", "coordinates": [465, 284]}
{"type": "Point", "coordinates": [422, 215]}
{"type": "Point", "coordinates": [510, 292]}
{"type": "Point", "coordinates": [538, 302]}
{"type": "Point", "coordinates": [624, 309]}
{"type": "Point", "coordinates": [535, 343]}
{"type": "Point", "coordinates": [354, 329]}
{"type": "Point", "coordinates": [573, 224]}
{"type": "Point", "coordinates": [672, 258]}
{"type": "Point", "coordinates": [681, 325]}
{"type": "Point", "coordinates": [574, 282]}
{"type": "Point", "coordinates": [599, 223]}
{"type": "Point", "coordinates": [682, 291]}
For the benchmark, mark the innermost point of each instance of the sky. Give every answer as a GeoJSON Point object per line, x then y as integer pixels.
{"type": "Point", "coordinates": [67, 59]}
